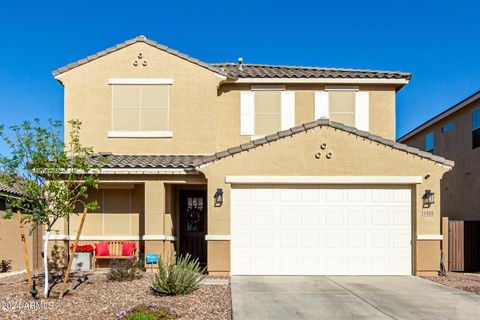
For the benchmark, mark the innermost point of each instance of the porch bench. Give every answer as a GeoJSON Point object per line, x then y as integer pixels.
{"type": "Point", "coordinates": [115, 250]}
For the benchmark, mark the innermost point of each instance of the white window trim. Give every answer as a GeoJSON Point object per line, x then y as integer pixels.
{"type": "Point", "coordinates": [140, 81]}
{"type": "Point", "coordinates": [140, 134]}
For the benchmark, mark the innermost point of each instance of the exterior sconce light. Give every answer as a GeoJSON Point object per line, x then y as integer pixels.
{"type": "Point", "coordinates": [218, 197]}
{"type": "Point", "coordinates": [428, 198]}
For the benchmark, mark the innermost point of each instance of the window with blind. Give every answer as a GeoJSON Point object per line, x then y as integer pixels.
{"type": "Point", "coordinates": [430, 142]}
{"type": "Point", "coordinates": [342, 107]}
{"type": "Point", "coordinates": [267, 112]}
{"type": "Point", "coordinates": [344, 104]}
{"type": "Point", "coordinates": [140, 108]}
{"type": "Point", "coordinates": [476, 129]}
{"type": "Point", "coordinates": [266, 109]}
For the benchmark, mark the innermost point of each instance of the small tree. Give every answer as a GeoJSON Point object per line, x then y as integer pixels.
{"type": "Point", "coordinates": [55, 177]}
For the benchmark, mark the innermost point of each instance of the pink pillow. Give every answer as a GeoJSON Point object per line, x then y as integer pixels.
{"type": "Point", "coordinates": [101, 249]}
{"type": "Point", "coordinates": [128, 248]}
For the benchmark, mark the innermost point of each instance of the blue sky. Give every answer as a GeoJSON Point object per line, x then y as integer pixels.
{"type": "Point", "coordinates": [435, 40]}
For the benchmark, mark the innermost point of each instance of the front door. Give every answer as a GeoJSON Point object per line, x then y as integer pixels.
{"type": "Point", "coordinates": [193, 224]}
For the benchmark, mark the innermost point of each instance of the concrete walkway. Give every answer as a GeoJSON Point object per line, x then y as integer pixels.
{"type": "Point", "coordinates": [366, 297]}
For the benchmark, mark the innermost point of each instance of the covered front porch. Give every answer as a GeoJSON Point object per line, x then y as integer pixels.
{"type": "Point", "coordinates": [164, 215]}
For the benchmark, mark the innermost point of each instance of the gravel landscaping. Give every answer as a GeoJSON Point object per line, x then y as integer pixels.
{"type": "Point", "coordinates": [462, 281]}
{"type": "Point", "coordinates": [99, 298]}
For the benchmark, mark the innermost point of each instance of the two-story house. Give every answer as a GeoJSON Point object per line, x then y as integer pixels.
{"type": "Point", "coordinates": [253, 169]}
{"type": "Point", "coordinates": [455, 134]}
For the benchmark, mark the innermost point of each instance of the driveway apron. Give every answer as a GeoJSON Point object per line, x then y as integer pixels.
{"type": "Point", "coordinates": [348, 297]}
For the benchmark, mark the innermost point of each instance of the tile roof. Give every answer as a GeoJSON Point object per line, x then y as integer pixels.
{"type": "Point", "coordinates": [15, 190]}
{"type": "Point", "coordinates": [115, 161]}
{"type": "Point", "coordinates": [236, 71]}
{"type": "Point", "coordinates": [129, 43]}
{"type": "Point", "coordinates": [271, 71]}
{"type": "Point", "coordinates": [319, 123]}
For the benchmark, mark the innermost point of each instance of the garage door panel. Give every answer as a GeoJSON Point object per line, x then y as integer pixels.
{"type": "Point", "coordinates": [312, 216]}
{"type": "Point", "coordinates": [295, 231]}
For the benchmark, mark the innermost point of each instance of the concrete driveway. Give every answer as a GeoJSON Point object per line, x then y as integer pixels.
{"type": "Point", "coordinates": [339, 297]}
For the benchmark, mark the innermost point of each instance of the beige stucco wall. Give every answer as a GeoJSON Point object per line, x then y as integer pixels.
{"type": "Point", "coordinates": [352, 155]}
{"type": "Point", "coordinates": [121, 213]}
{"type": "Point", "coordinates": [139, 205]}
{"type": "Point", "coordinates": [382, 111]}
{"type": "Point", "coordinates": [204, 112]}
{"type": "Point", "coordinates": [88, 97]}
{"type": "Point", "coordinates": [459, 197]}
{"type": "Point", "coordinates": [11, 245]}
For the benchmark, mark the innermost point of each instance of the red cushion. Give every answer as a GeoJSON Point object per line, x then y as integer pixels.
{"type": "Point", "coordinates": [101, 249]}
{"type": "Point", "coordinates": [128, 248]}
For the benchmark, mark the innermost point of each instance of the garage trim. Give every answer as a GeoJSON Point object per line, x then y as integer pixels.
{"type": "Point", "coordinates": [325, 179]}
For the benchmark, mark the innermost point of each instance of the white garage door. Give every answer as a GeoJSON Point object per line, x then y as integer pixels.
{"type": "Point", "coordinates": [321, 231]}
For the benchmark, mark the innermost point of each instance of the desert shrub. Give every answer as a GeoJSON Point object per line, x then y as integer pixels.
{"type": "Point", "coordinates": [124, 270]}
{"type": "Point", "coordinates": [180, 277]}
{"type": "Point", "coordinates": [146, 312]}
{"type": "Point", "coordinates": [5, 265]}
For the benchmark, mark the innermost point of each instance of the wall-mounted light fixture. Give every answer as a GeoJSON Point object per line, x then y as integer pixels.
{"type": "Point", "coordinates": [218, 197]}
{"type": "Point", "coordinates": [428, 198]}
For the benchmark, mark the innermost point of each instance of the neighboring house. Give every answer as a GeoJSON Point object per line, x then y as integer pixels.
{"type": "Point", "coordinates": [455, 134]}
{"type": "Point", "coordinates": [238, 165]}
{"type": "Point", "coordinates": [5, 193]}
{"type": "Point", "coordinates": [10, 244]}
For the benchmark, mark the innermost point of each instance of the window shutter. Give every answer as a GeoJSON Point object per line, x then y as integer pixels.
{"type": "Point", "coordinates": [321, 105]}
{"type": "Point", "coordinates": [247, 113]}
{"type": "Point", "coordinates": [287, 108]}
{"type": "Point", "coordinates": [362, 110]}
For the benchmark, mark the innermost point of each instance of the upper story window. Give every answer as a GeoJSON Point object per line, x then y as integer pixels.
{"type": "Point", "coordinates": [449, 126]}
{"type": "Point", "coordinates": [476, 129]}
{"type": "Point", "coordinates": [429, 142]}
{"type": "Point", "coordinates": [265, 110]}
{"type": "Point", "coordinates": [344, 104]}
{"type": "Point", "coordinates": [140, 108]}
{"type": "Point", "coordinates": [342, 107]}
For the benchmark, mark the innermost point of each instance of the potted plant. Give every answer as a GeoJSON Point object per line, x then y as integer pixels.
{"type": "Point", "coordinates": [82, 260]}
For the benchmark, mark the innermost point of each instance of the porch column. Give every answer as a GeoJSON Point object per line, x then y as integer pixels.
{"type": "Point", "coordinates": [154, 208]}
{"type": "Point", "coordinates": [158, 240]}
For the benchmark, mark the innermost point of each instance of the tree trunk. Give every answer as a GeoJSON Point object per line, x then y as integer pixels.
{"type": "Point", "coordinates": [45, 263]}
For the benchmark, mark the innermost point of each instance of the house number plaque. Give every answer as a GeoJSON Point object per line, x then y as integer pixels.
{"type": "Point", "coordinates": [427, 213]}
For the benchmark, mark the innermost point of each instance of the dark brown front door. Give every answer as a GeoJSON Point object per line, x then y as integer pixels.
{"type": "Point", "coordinates": [193, 224]}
